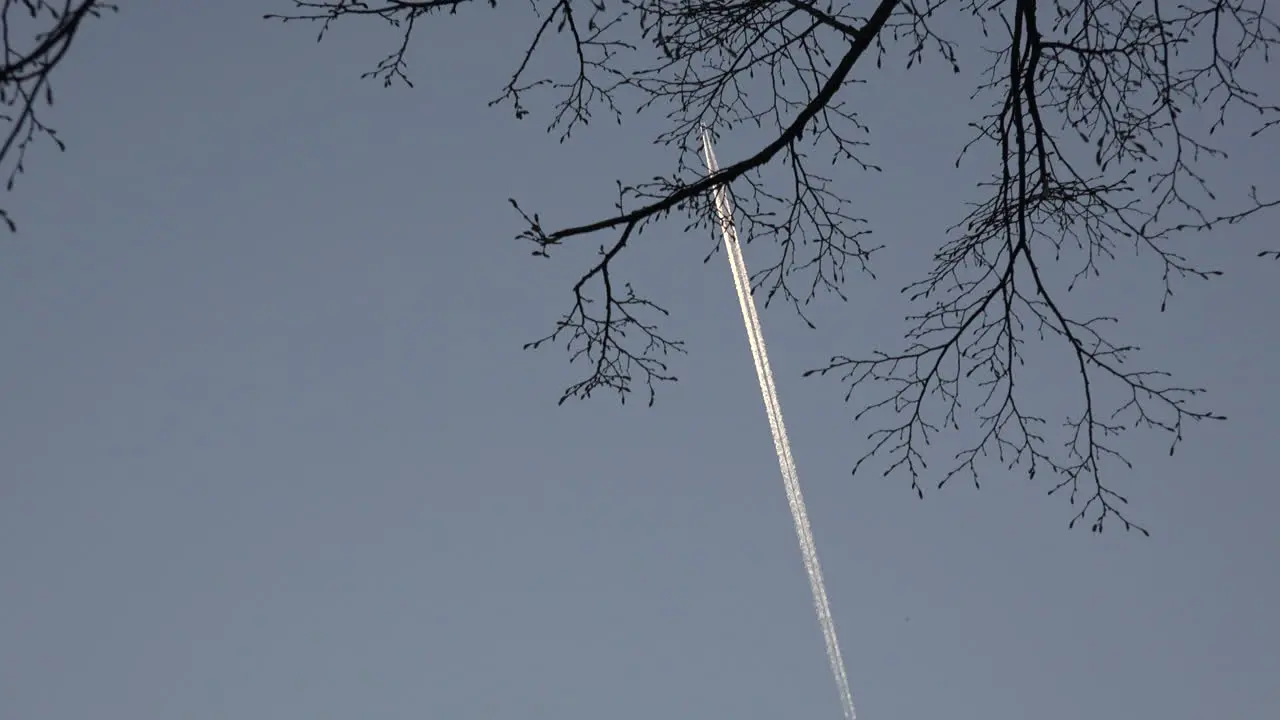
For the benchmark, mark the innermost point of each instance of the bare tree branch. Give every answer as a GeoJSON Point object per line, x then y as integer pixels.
{"type": "Point", "coordinates": [49, 29]}
{"type": "Point", "coordinates": [1137, 88]}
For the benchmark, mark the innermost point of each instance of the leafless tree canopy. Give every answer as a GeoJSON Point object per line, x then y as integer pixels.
{"type": "Point", "coordinates": [1102, 116]}
{"type": "Point", "coordinates": [37, 36]}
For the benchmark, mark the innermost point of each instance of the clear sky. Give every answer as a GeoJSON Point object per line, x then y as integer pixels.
{"type": "Point", "coordinates": [270, 447]}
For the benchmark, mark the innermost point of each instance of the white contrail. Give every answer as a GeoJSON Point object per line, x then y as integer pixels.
{"type": "Point", "coordinates": [769, 393]}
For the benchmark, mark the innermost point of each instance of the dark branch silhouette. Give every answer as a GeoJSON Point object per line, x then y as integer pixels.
{"type": "Point", "coordinates": [37, 35]}
{"type": "Point", "coordinates": [1102, 123]}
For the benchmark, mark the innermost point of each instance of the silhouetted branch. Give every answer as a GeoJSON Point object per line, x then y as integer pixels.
{"type": "Point", "coordinates": [37, 35]}
{"type": "Point", "coordinates": [1069, 81]}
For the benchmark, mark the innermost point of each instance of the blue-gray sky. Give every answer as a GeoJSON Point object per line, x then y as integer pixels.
{"type": "Point", "coordinates": [271, 449]}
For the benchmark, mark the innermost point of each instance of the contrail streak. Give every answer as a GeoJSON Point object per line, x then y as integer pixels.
{"type": "Point", "coordinates": [769, 393]}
